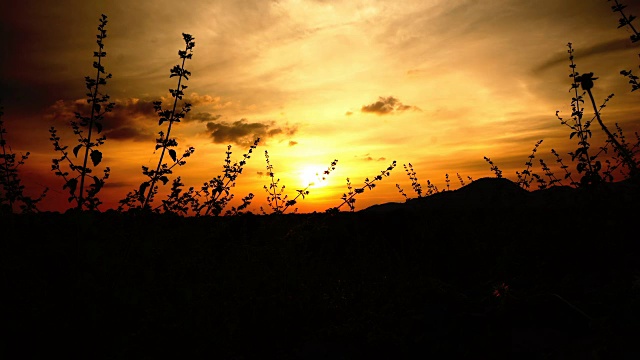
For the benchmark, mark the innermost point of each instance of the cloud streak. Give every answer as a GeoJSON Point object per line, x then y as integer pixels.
{"type": "Point", "coordinates": [606, 47]}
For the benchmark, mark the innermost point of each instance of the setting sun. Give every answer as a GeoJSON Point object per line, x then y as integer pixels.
{"type": "Point", "coordinates": [313, 176]}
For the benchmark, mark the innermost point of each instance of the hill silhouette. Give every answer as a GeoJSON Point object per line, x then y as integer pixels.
{"type": "Point", "coordinates": [502, 193]}
{"type": "Point", "coordinates": [489, 269]}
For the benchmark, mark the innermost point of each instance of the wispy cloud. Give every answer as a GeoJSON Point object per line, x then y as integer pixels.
{"type": "Point", "coordinates": [597, 49]}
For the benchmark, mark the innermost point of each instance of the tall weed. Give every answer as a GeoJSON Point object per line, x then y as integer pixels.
{"type": "Point", "coordinates": [142, 197]}
{"type": "Point", "coordinates": [86, 197]}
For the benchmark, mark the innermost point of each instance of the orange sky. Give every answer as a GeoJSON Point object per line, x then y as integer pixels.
{"type": "Point", "coordinates": [439, 84]}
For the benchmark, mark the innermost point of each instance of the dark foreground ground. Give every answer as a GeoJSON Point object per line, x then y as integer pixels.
{"type": "Point", "coordinates": [482, 272]}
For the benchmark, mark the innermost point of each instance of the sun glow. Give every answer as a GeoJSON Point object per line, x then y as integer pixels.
{"type": "Point", "coordinates": [313, 176]}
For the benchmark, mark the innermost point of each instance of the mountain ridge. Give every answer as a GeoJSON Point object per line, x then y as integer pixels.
{"type": "Point", "coordinates": [490, 192]}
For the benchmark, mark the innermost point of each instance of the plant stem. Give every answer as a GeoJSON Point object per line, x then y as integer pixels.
{"type": "Point", "coordinates": [164, 148]}
{"type": "Point", "coordinates": [94, 96]}
{"type": "Point", "coordinates": [633, 168]}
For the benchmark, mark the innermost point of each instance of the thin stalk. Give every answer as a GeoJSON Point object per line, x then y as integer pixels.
{"type": "Point", "coordinates": [633, 167]}
{"type": "Point", "coordinates": [578, 113]}
{"type": "Point", "coordinates": [164, 148]}
{"type": "Point", "coordinates": [94, 96]}
{"type": "Point", "coordinates": [626, 20]}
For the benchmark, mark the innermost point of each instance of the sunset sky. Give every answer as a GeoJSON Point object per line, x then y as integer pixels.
{"type": "Point", "coordinates": [438, 84]}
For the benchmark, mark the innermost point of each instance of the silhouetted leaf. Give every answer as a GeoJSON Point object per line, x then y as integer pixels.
{"type": "Point", "coordinates": [143, 187]}
{"type": "Point", "coordinates": [76, 149]}
{"type": "Point", "coordinates": [96, 157]}
{"type": "Point", "coordinates": [172, 153]}
{"type": "Point", "coordinates": [97, 183]}
{"type": "Point", "coordinates": [71, 184]}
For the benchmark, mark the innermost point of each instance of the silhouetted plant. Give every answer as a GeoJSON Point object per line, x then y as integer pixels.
{"type": "Point", "coordinates": [246, 201]}
{"type": "Point", "coordinates": [633, 79]}
{"type": "Point", "coordinates": [587, 159]}
{"type": "Point", "coordinates": [553, 180]}
{"type": "Point", "coordinates": [12, 190]}
{"type": "Point", "coordinates": [431, 188]}
{"type": "Point", "coordinates": [349, 198]}
{"type": "Point", "coordinates": [494, 168]}
{"type": "Point", "coordinates": [177, 202]}
{"type": "Point", "coordinates": [580, 129]}
{"type": "Point", "coordinates": [276, 199]}
{"type": "Point", "coordinates": [567, 173]}
{"type": "Point", "coordinates": [401, 191]}
{"type": "Point", "coordinates": [217, 191]}
{"type": "Point", "coordinates": [417, 188]}
{"type": "Point", "coordinates": [462, 181]}
{"type": "Point", "coordinates": [632, 148]}
{"type": "Point", "coordinates": [622, 150]}
{"type": "Point", "coordinates": [145, 194]}
{"type": "Point", "coordinates": [526, 177]}
{"type": "Point", "coordinates": [626, 21]}
{"type": "Point", "coordinates": [100, 105]}
{"type": "Point", "coordinates": [588, 165]}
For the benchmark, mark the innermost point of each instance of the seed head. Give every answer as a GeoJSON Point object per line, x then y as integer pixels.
{"type": "Point", "coordinates": [586, 81]}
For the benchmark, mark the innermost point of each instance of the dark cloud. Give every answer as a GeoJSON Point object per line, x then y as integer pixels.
{"type": "Point", "coordinates": [387, 105]}
{"type": "Point", "coordinates": [202, 117]}
{"type": "Point", "coordinates": [122, 123]}
{"type": "Point", "coordinates": [242, 132]}
{"type": "Point", "coordinates": [293, 143]}
{"type": "Point", "coordinates": [132, 119]}
{"type": "Point", "coordinates": [597, 49]}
